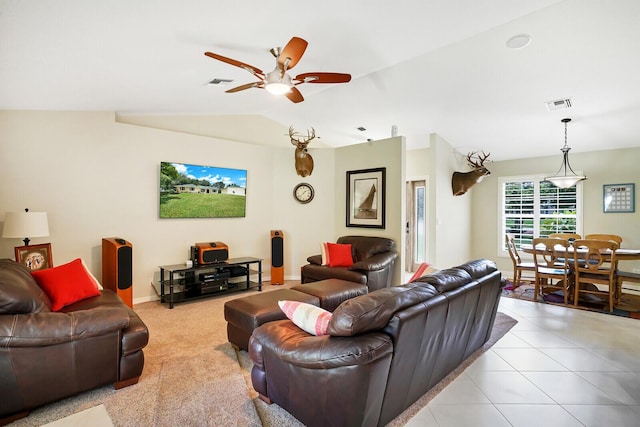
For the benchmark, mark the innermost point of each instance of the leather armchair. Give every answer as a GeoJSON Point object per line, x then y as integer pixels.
{"type": "Point", "coordinates": [374, 260]}
{"type": "Point", "coordinates": [46, 356]}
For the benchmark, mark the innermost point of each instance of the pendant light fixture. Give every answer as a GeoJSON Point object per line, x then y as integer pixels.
{"type": "Point", "coordinates": [562, 179]}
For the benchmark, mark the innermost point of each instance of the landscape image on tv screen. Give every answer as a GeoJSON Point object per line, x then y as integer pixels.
{"type": "Point", "coordinates": [194, 191]}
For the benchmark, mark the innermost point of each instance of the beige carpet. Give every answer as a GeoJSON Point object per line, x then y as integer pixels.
{"type": "Point", "coordinates": [193, 377]}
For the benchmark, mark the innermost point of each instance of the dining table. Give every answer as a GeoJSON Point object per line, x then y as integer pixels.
{"type": "Point", "coordinates": [622, 254]}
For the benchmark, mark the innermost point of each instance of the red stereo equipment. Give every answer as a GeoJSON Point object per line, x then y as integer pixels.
{"type": "Point", "coordinates": [211, 252]}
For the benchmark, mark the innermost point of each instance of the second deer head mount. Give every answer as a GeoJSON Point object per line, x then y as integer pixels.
{"type": "Point", "coordinates": [304, 161]}
{"type": "Point", "coordinates": [461, 182]}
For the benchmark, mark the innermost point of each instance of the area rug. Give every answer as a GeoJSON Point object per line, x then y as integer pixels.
{"type": "Point", "coordinates": [193, 377]}
{"type": "Point", "coordinates": [629, 305]}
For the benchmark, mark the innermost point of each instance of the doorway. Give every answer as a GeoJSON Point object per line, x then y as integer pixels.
{"type": "Point", "coordinates": [416, 224]}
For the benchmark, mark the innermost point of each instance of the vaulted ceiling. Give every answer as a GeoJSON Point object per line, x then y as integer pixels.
{"type": "Point", "coordinates": [424, 66]}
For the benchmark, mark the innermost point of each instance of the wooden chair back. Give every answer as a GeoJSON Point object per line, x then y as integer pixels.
{"type": "Point", "coordinates": [550, 252]}
{"type": "Point", "coordinates": [566, 236]}
{"type": "Point", "coordinates": [595, 264]}
{"type": "Point", "coordinates": [512, 249]}
{"type": "Point", "coordinates": [551, 259]}
{"type": "Point", "coordinates": [613, 237]}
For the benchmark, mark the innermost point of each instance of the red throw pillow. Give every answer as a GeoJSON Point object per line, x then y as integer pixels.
{"type": "Point", "coordinates": [339, 255]}
{"type": "Point", "coordinates": [66, 284]}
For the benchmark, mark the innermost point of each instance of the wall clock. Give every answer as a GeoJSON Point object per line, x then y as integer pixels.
{"type": "Point", "coordinates": [303, 192]}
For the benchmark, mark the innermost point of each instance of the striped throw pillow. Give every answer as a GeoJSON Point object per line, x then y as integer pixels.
{"type": "Point", "coordinates": [307, 317]}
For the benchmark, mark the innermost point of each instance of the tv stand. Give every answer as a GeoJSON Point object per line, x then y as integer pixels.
{"type": "Point", "coordinates": [186, 283]}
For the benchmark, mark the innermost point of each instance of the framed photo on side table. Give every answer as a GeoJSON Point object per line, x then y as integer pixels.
{"type": "Point", "coordinates": [366, 191]}
{"type": "Point", "coordinates": [618, 198]}
{"type": "Point", "coordinates": [35, 257]}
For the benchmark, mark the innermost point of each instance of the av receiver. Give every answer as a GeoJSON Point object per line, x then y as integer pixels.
{"type": "Point", "coordinates": [210, 253]}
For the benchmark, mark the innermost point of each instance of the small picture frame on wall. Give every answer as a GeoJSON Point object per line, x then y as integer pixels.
{"type": "Point", "coordinates": [35, 257]}
{"type": "Point", "coordinates": [618, 198]}
{"type": "Point", "coordinates": [366, 198]}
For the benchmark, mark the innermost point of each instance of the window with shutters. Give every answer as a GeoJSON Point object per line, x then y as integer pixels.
{"type": "Point", "coordinates": [531, 207]}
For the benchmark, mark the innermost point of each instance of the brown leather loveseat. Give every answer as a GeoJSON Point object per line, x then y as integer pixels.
{"type": "Point", "coordinates": [373, 262]}
{"type": "Point", "coordinates": [46, 356]}
{"type": "Point", "coordinates": [385, 349]}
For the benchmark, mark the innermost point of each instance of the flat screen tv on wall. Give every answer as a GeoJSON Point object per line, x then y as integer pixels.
{"type": "Point", "coordinates": [195, 191]}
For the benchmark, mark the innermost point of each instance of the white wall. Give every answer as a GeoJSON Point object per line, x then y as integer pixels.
{"type": "Point", "coordinates": [98, 178]}
{"type": "Point", "coordinates": [449, 226]}
{"type": "Point", "coordinates": [304, 226]}
{"type": "Point", "coordinates": [388, 153]}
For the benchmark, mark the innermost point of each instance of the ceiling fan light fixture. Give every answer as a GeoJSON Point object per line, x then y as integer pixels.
{"type": "Point", "coordinates": [562, 179]}
{"type": "Point", "coordinates": [277, 84]}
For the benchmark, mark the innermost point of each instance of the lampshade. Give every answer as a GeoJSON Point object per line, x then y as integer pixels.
{"type": "Point", "coordinates": [562, 179]}
{"type": "Point", "coordinates": [25, 224]}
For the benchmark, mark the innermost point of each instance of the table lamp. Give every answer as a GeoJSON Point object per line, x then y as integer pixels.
{"type": "Point", "coordinates": [22, 224]}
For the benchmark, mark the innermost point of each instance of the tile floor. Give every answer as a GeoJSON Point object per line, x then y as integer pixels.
{"type": "Point", "coordinates": [557, 367]}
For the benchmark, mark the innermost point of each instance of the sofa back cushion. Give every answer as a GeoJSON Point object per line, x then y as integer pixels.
{"type": "Point", "coordinates": [479, 268]}
{"type": "Point", "coordinates": [371, 312]}
{"type": "Point", "coordinates": [364, 247]}
{"type": "Point", "coordinates": [445, 280]}
{"type": "Point", "coordinates": [19, 292]}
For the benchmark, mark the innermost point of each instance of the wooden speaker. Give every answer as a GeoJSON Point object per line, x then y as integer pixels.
{"type": "Point", "coordinates": [117, 268]}
{"type": "Point", "coordinates": [277, 257]}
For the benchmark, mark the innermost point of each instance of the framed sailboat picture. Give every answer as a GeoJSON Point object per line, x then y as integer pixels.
{"type": "Point", "coordinates": [366, 198]}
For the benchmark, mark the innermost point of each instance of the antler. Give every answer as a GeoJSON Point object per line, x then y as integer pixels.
{"type": "Point", "coordinates": [481, 159]}
{"type": "Point", "coordinates": [297, 141]}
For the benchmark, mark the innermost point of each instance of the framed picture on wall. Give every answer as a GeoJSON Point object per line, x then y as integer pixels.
{"type": "Point", "coordinates": [35, 257]}
{"type": "Point", "coordinates": [366, 198]}
{"type": "Point", "coordinates": [618, 198]}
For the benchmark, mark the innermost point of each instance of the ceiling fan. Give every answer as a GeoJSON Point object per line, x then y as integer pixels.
{"type": "Point", "coordinates": [278, 82]}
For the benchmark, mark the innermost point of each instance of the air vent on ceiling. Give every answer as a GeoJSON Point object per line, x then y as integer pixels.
{"type": "Point", "coordinates": [559, 104]}
{"type": "Point", "coordinates": [221, 82]}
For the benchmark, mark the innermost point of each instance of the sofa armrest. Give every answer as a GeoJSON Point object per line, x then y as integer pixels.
{"type": "Point", "coordinates": [315, 259]}
{"type": "Point", "coordinates": [49, 328]}
{"type": "Point", "coordinates": [377, 262]}
{"type": "Point", "coordinates": [310, 376]}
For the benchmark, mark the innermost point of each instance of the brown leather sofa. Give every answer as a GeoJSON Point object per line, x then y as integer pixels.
{"type": "Point", "coordinates": [374, 259]}
{"type": "Point", "coordinates": [46, 356]}
{"type": "Point", "coordinates": [384, 350]}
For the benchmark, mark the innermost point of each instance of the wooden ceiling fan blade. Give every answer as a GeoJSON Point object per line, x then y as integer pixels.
{"type": "Point", "coordinates": [250, 68]}
{"type": "Point", "coordinates": [294, 95]}
{"type": "Point", "coordinates": [294, 51]}
{"type": "Point", "coordinates": [323, 78]}
{"type": "Point", "coordinates": [243, 87]}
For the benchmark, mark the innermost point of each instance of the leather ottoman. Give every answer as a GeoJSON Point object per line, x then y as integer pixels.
{"type": "Point", "coordinates": [332, 292]}
{"type": "Point", "coordinates": [245, 314]}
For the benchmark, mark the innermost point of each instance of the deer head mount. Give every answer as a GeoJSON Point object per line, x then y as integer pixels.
{"type": "Point", "coordinates": [304, 161]}
{"type": "Point", "coordinates": [461, 182]}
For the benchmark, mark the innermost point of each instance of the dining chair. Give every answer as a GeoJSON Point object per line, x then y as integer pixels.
{"type": "Point", "coordinates": [567, 236]}
{"type": "Point", "coordinates": [613, 237]}
{"type": "Point", "coordinates": [518, 265]}
{"type": "Point", "coordinates": [597, 269]}
{"type": "Point", "coordinates": [618, 240]}
{"type": "Point", "coordinates": [551, 263]}
{"type": "Point", "coordinates": [624, 276]}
